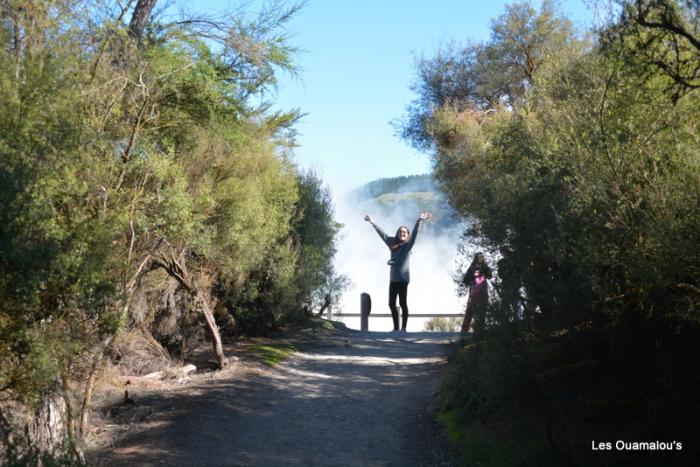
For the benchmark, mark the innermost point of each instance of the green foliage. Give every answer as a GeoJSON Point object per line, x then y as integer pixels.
{"type": "Point", "coordinates": [478, 446]}
{"type": "Point", "coordinates": [440, 324]}
{"type": "Point", "coordinates": [272, 355]}
{"type": "Point", "coordinates": [482, 76]}
{"type": "Point", "coordinates": [314, 233]}
{"type": "Point", "coordinates": [663, 37]}
{"type": "Point", "coordinates": [297, 273]}
{"type": "Point", "coordinates": [123, 159]}
{"type": "Point", "coordinates": [512, 398]}
{"type": "Point", "coordinates": [587, 183]}
{"type": "Point", "coordinates": [590, 179]}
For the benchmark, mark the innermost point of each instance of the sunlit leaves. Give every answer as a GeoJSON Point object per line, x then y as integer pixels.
{"type": "Point", "coordinates": [116, 152]}
{"type": "Point", "coordinates": [583, 174]}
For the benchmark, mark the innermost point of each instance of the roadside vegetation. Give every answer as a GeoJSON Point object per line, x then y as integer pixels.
{"type": "Point", "coordinates": [149, 200]}
{"type": "Point", "coordinates": [577, 153]}
{"type": "Point", "coordinates": [271, 355]}
{"type": "Point", "coordinates": [440, 324]}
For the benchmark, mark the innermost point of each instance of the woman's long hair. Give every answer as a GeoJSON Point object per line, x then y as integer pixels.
{"type": "Point", "coordinates": [398, 242]}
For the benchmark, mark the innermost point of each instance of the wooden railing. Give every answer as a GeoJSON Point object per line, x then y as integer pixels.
{"type": "Point", "coordinates": [366, 308]}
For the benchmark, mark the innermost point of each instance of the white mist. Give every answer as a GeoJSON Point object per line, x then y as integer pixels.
{"type": "Point", "coordinates": [363, 257]}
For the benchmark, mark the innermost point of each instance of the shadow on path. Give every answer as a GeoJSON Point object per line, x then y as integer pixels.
{"type": "Point", "coordinates": [368, 401]}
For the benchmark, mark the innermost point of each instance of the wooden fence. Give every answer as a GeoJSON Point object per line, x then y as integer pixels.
{"type": "Point", "coordinates": [366, 308]}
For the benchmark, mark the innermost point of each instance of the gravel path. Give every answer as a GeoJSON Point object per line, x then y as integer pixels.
{"type": "Point", "coordinates": [365, 399]}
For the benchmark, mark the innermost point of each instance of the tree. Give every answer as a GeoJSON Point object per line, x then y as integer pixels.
{"type": "Point", "coordinates": [120, 159]}
{"type": "Point", "coordinates": [664, 34]}
{"type": "Point", "coordinates": [139, 17]}
{"type": "Point", "coordinates": [481, 77]}
{"type": "Point", "coordinates": [577, 178]}
{"type": "Point", "coordinates": [591, 182]}
{"type": "Point", "coordinates": [315, 231]}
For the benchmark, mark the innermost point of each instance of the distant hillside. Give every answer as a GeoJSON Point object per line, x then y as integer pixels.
{"type": "Point", "coordinates": [401, 184]}
{"type": "Point", "coordinates": [406, 196]}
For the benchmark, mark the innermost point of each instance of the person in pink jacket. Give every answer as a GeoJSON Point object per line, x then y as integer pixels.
{"type": "Point", "coordinates": [475, 278]}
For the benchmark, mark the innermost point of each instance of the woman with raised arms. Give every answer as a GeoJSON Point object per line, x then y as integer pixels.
{"type": "Point", "coordinates": [399, 276]}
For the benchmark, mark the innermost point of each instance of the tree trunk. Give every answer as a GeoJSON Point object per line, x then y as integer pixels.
{"type": "Point", "coordinates": [203, 307]}
{"type": "Point", "coordinates": [139, 19]}
{"type": "Point", "coordinates": [46, 429]}
{"type": "Point", "coordinates": [87, 396]}
{"type": "Point", "coordinates": [176, 266]}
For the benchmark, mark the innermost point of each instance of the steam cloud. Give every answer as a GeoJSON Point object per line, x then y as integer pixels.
{"type": "Point", "coordinates": [362, 256]}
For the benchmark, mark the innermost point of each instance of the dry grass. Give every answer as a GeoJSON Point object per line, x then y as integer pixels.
{"type": "Point", "coordinates": [138, 353]}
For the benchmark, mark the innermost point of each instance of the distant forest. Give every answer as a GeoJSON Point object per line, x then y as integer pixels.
{"type": "Point", "coordinates": [400, 184]}
{"type": "Point", "coordinates": [408, 195]}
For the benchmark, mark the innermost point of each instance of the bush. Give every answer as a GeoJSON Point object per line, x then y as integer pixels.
{"type": "Point", "coordinates": [440, 324]}
{"type": "Point", "coordinates": [512, 398]}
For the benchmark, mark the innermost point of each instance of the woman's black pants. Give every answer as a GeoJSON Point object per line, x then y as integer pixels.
{"type": "Point", "coordinates": [399, 289]}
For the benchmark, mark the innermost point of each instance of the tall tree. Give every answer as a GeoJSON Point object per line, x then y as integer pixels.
{"type": "Point", "coordinates": [480, 77]}
{"type": "Point", "coordinates": [120, 162]}
{"type": "Point", "coordinates": [139, 17]}
{"type": "Point", "coordinates": [663, 34]}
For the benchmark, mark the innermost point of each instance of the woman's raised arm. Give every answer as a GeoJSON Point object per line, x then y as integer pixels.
{"type": "Point", "coordinates": [385, 238]}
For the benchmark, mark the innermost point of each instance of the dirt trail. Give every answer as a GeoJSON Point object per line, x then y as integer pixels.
{"type": "Point", "coordinates": [364, 399]}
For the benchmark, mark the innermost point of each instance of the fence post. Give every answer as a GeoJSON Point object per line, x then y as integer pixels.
{"type": "Point", "coordinates": [365, 308]}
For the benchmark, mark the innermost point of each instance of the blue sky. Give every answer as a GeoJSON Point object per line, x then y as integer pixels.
{"type": "Point", "coordinates": [356, 69]}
